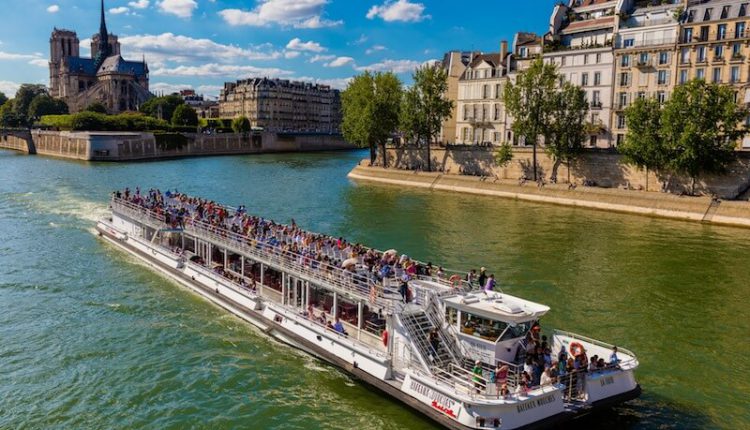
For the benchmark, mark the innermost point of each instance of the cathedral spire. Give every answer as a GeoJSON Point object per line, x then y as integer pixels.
{"type": "Point", "coordinates": [103, 48]}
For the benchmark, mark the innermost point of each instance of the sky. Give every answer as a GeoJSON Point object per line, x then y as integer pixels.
{"type": "Point", "coordinates": [201, 44]}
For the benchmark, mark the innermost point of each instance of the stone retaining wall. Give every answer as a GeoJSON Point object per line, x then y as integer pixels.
{"type": "Point", "coordinates": [603, 168]}
{"type": "Point", "coordinates": [17, 141]}
{"type": "Point", "coordinates": [627, 201]}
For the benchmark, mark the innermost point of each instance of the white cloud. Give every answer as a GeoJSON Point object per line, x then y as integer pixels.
{"type": "Point", "coordinates": [11, 56]}
{"type": "Point", "coordinates": [362, 39]}
{"type": "Point", "coordinates": [214, 70]}
{"type": "Point", "coordinates": [375, 49]}
{"type": "Point", "coordinates": [39, 62]}
{"type": "Point", "coordinates": [338, 83]}
{"type": "Point", "coordinates": [318, 58]}
{"type": "Point", "coordinates": [180, 8]}
{"type": "Point", "coordinates": [395, 66]}
{"type": "Point", "coordinates": [119, 10]}
{"type": "Point", "coordinates": [399, 10]}
{"type": "Point", "coordinates": [292, 54]}
{"type": "Point", "coordinates": [297, 44]}
{"type": "Point", "coordinates": [210, 90]}
{"type": "Point", "coordinates": [9, 88]}
{"type": "Point", "coordinates": [294, 13]}
{"type": "Point", "coordinates": [163, 87]}
{"type": "Point", "coordinates": [140, 4]}
{"type": "Point", "coordinates": [340, 62]}
{"type": "Point", "coordinates": [165, 47]}
{"type": "Point", "coordinates": [53, 8]}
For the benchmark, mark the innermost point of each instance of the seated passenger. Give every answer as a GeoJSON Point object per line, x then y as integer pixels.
{"type": "Point", "coordinates": [546, 377]}
{"type": "Point", "coordinates": [339, 327]}
{"type": "Point", "coordinates": [613, 358]}
{"type": "Point", "coordinates": [504, 391]}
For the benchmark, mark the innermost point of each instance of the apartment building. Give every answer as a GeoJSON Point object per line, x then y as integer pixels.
{"type": "Point", "coordinates": [454, 63]}
{"type": "Point", "coordinates": [645, 55]}
{"type": "Point", "coordinates": [481, 114]}
{"type": "Point", "coordinates": [283, 106]}
{"type": "Point", "coordinates": [580, 44]}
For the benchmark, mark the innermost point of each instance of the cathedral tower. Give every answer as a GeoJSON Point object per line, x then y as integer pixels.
{"type": "Point", "coordinates": [62, 44]}
{"type": "Point", "coordinates": [103, 49]}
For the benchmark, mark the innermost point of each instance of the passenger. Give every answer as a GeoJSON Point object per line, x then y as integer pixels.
{"type": "Point", "coordinates": [504, 391]}
{"type": "Point", "coordinates": [546, 377]}
{"type": "Point", "coordinates": [471, 277]}
{"type": "Point", "coordinates": [600, 364]}
{"type": "Point", "coordinates": [482, 279]}
{"type": "Point", "coordinates": [490, 284]}
{"type": "Point", "coordinates": [592, 364]}
{"type": "Point", "coordinates": [478, 376]}
{"type": "Point", "coordinates": [614, 360]}
{"type": "Point", "coordinates": [433, 340]}
{"type": "Point", "coordinates": [339, 327]}
{"type": "Point", "coordinates": [501, 375]}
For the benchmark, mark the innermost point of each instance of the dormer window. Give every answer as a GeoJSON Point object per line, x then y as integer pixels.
{"type": "Point", "coordinates": [725, 12]}
{"type": "Point", "coordinates": [707, 14]}
{"type": "Point", "coordinates": [743, 9]}
{"type": "Point", "coordinates": [691, 16]}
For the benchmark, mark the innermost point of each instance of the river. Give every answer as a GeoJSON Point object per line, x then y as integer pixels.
{"type": "Point", "coordinates": [89, 338]}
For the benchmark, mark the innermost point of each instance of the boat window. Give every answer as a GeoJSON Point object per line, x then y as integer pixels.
{"type": "Point", "coordinates": [481, 327]}
{"type": "Point", "coordinates": [451, 315]}
{"type": "Point", "coordinates": [516, 330]}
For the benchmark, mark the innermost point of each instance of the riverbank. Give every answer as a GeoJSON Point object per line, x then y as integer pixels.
{"type": "Point", "coordinates": [143, 146]}
{"type": "Point", "coordinates": [700, 209]}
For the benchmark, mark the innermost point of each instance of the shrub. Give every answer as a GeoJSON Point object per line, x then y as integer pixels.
{"type": "Point", "coordinates": [170, 141]}
{"type": "Point", "coordinates": [92, 121]}
{"type": "Point", "coordinates": [241, 125]}
{"type": "Point", "coordinates": [184, 116]}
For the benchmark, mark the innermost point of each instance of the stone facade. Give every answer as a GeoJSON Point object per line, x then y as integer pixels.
{"type": "Point", "coordinates": [645, 59]}
{"type": "Point", "coordinates": [454, 64]}
{"type": "Point", "coordinates": [282, 105]}
{"type": "Point", "coordinates": [481, 114]}
{"type": "Point", "coordinates": [104, 78]}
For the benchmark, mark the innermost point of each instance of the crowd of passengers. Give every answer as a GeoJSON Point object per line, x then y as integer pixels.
{"type": "Point", "coordinates": [315, 250]}
{"type": "Point", "coordinates": [542, 368]}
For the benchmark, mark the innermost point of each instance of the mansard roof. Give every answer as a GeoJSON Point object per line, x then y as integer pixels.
{"type": "Point", "coordinates": [81, 66]}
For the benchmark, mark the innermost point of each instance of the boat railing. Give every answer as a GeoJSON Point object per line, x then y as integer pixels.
{"type": "Point", "coordinates": [632, 357]}
{"type": "Point", "coordinates": [446, 332]}
{"type": "Point", "coordinates": [341, 279]}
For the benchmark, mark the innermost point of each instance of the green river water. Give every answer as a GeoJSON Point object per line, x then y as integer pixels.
{"type": "Point", "coordinates": [89, 338]}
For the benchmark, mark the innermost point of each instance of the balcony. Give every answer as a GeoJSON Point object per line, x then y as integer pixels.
{"type": "Point", "coordinates": [717, 59]}
{"type": "Point", "coordinates": [642, 43]}
{"type": "Point", "coordinates": [596, 105]}
{"type": "Point", "coordinates": [737, 58]}
{"type": "Point", "coordinates": [644, 64]}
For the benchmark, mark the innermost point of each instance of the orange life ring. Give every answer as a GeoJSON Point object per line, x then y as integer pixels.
{"type": "Point", "coordinates": [455, 280]}
{"type": "Point", "coordinates": [385, 337]}
{"type": "Point", "coordinates": [576, 349]}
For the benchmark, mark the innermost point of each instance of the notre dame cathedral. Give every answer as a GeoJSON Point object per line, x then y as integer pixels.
{"type": "Point", "coordinates": [104, 78]}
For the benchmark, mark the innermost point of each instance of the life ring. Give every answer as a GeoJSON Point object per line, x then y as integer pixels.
{"type": "Point", "coordinates": [455, 280]}
{"type": "Point", "coordinates": [576, 349]}
{"type": "Point", "coordinates": [385, 338]}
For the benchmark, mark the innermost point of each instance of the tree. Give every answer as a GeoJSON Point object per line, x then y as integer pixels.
{"type": "Point", "coordinates": [3, 98]}
{"type": "Point", "coordinates": [241, 125]}
{"type": "Point", "coordinates": [700, 125]}
{"type": "Point", "coordinates": [96, 107]}
{"type": "Point", "coordinates": [185, 115]}
{"type": "Point", "coordinates": [504, 155]}
{"type": "Point", "coordinates": [426, 105]}
{"type": "Point", "coordinates": [162, 107]}
{"type": "Point", "coordinates": [43, 105]}
{"type": "Point", "coordinates": [567, 128]}
{"type": "Point", "coordinates": [371, 106]}
{"type": "Point", "coordinates": [24, 96]}
{"type": "Point", "coordinates": [643, 145]}
{"type": "Point", "coordinates": [528, 100]}
{"type": "Point", "coordinates": [8, 117]}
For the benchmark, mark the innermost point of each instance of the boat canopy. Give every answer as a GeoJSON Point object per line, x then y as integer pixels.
{"type": "Point", "coordinates": [498, 306]}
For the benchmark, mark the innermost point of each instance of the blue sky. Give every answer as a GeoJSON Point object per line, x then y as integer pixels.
{"type": "Point", "coordinates": [203, 43]}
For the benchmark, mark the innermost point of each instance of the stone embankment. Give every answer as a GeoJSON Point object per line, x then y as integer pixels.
{"type": "Point", "coordinates": [701, 209]}
{"type": "Point", "coordinates": [124, 146]}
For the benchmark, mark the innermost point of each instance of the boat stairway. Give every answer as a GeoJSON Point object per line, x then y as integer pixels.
{"type": "Point", "coordinates": [418, 325]}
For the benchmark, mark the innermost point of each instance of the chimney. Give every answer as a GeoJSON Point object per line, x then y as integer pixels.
{"type": "Point", "coordinates": [503, 49]}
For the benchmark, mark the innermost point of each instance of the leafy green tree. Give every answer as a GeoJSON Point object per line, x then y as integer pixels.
{"type": "Point", "coordinates": [8, 117]}
{"type": "Point", "coordinates": [529, 101]}
{"type": "Point", "coordinates": [43, 105]}
{"type": "Point", "coordinates": [24, 96]}
{"type": "Point", "coordinates": [371, 107]}
{"type": "Point", "coordinates": [426, 105]}
{"type": "Point", "coordinates": [184, 115]}
{"type": "Point", "coordinates": [700, 125]}
{"type": "Point", "coordinates": [567, 128]}
{"type": "Point", "coordinates": [241, 125]}
{"type": "Point", "coordinates": [162, 107]}
{"type": "Point", "coordinates": [3, 98]}
{"type": "Point", "coordinates": [96, 107]}
{"type": "Point", "coordinates": [504, 155]}
{"type": "Point", "coordinates": [643, 146]}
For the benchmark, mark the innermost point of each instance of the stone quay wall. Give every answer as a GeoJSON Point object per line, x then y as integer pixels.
{"type": "Point", "coordinates": [17, 141]}
{"type": "Point", "coordinates": [603, 168]}
{"type": "Point", "coordinates": [125, 146]}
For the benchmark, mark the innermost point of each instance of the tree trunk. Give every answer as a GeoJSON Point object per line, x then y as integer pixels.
{"type": "Point", "coordinates": [692, 185]}
{"type": "Point", "coordinates": [429, 156]}
{"type": "Point", "coordinates": [555, 167]}
{"type": "Point", "coordinates": [646, 178]}
{"type": "Point", "coordinates": [385, 157]}
{"type": "Point", "coordinates": [568, 167]}
{"type": "Point", "coordinates": [534, 160]}
{"type": "Point", "coordinates": [373, 155]}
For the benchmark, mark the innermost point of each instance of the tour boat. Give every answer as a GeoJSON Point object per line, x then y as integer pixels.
{"type": "Point", "coordinates": [432, 342]}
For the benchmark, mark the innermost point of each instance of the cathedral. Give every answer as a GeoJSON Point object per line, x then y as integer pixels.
{"type": "Point", "coordinates": [104, 78]}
